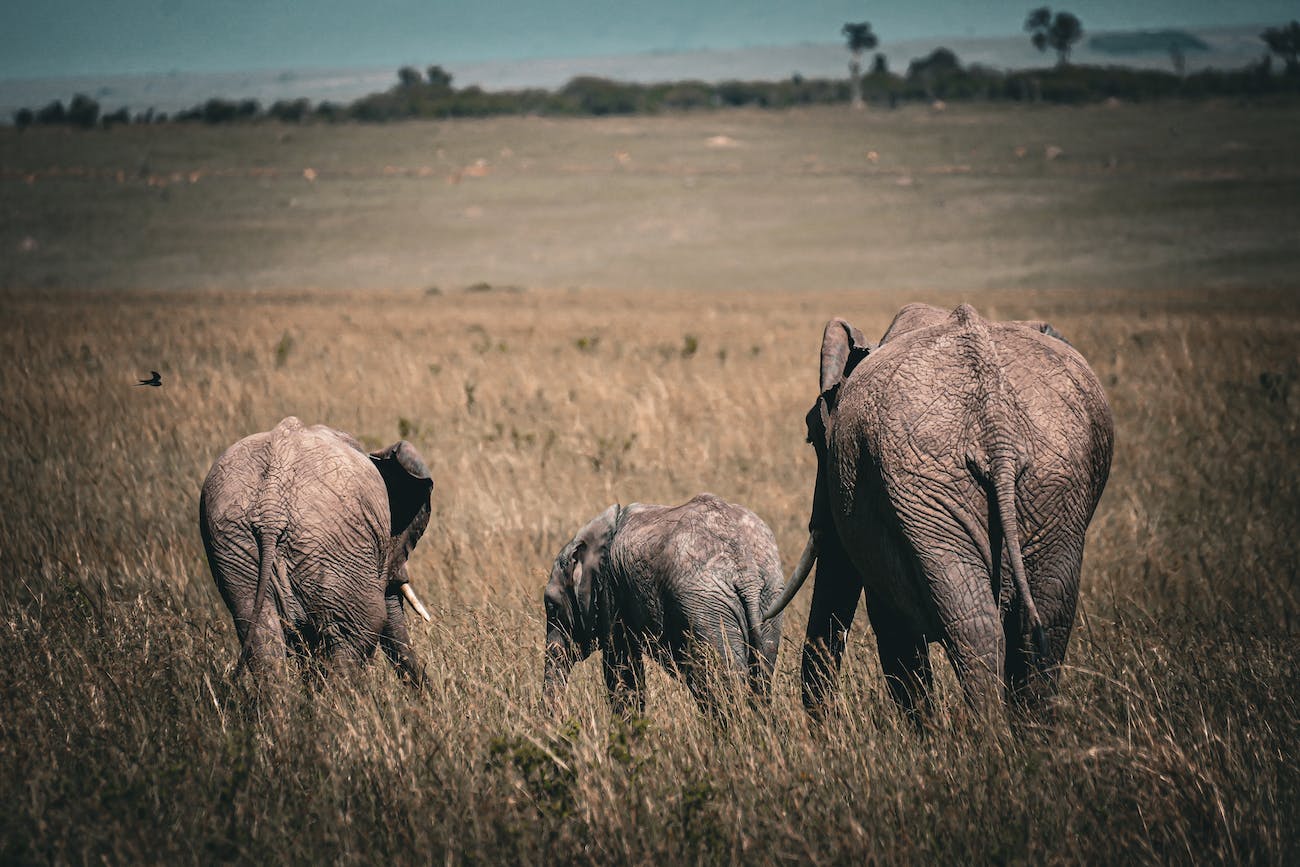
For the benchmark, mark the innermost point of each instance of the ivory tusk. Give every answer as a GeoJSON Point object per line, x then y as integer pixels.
{"type": "Point", "coordinates": [797, 577]}
{"type": "Point", "coordinates": [415, 602]}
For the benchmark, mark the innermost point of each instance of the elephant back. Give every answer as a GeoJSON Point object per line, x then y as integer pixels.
{"type": "Point", "coordinates": [307, 487]}
{"type": "Point", "coordinates": [937, 395]}
{"type": "Point", "coordinates": [332, 488]}
{"type": "Point", "coordinates": [1067, 418]}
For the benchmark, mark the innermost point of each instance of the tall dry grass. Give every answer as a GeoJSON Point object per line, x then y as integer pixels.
{"type": "Point", "coordinates": [124, 739]}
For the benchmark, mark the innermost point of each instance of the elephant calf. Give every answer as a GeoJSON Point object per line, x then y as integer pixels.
{"type": "Point", "coordinates": [307, 537]}
{"type": "Point", "coordinates": [686, 584]}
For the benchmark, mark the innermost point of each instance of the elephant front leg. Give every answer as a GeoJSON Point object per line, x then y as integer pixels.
{"type": "Point", "coordinates": [835, 600]}
{"type": "Point", "coordinates": [624, 668]}
{"type": "Point", "coordinates": [396, 642]}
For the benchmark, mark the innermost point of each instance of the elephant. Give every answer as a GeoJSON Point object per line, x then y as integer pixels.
{"type": "Point", "coordinates": [955, 454]}
{"type": "Point", "coordinates": [685, 584]}
{"type": "Point", "coordinates": [304, 519]}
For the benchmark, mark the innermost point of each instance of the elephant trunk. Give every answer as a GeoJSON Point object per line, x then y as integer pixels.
{"type": "Point", "coordinates": [409, 593]}
{"type": "Point", "coordinates": [799, 575]}
{"type": "Point", "coordinates": [560, 657]}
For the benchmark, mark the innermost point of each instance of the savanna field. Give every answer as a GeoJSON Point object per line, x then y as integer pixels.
{"type": "Point", "coordinates": [565, 314]}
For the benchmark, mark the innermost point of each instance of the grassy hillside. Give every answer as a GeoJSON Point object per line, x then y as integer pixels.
{"type": "Point", "coordinates": [123, 737]}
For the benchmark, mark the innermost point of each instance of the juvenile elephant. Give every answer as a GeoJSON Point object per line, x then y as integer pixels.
{"type": "Point", "coordinates": [307, 537]}
{"type": "Point", "coordinates": [686, 584]}
{"type": "Point", "coordinates": [959, 462]}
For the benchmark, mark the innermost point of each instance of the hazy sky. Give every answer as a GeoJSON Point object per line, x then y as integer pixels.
{"type": "Point", "coordinates": [55, 37]}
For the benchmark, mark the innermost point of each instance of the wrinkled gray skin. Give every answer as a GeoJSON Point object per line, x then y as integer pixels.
{"type": "Point", "coordinates": [959, 464]}
{"type": "Point", "coordinates": [684, 584]}
{"type": "Point", "coordinates": [307, 537]}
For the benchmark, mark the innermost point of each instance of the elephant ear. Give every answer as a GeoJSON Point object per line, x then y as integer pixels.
{"type": "Point", "coordinates": [409, 484]}
{"type": "Point", "coordinates": [1043, 328]}
{"type": "Point", "coordinates": [582, 580]}
{"type": "Point", "coordinates": [590, 561]}
{"type": "Point", "coordinates": [843, 347]}
{"type": "Point", "coordinates": [343, 436]}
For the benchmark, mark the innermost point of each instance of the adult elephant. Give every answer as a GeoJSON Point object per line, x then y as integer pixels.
{"type": "Point", "coordinates": [959, 462]}
{"type": "Point", "coordinates": [307, 537]}
{"type": "Point", "coordinates": [685, 584]}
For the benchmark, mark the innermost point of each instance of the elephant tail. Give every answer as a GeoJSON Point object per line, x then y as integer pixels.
{"type": "Point", "coordinates": [1004, 488]}
{"type": "Point", "coordinates": [997, 458]}
{"type": "Point", "coordinates": [265, 566]}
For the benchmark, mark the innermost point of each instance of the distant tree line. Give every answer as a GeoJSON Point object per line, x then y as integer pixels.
{"type": "Point", "coordinates": [938, 76]}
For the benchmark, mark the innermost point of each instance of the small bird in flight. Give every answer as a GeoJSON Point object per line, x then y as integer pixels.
{"type": "Point", "coordinates": [155, 380]}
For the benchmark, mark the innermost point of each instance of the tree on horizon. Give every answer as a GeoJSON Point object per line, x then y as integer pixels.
{"type": "Point", "coordinates": [1285, 43]}
{"type": "Point", "coordinates": [83, 111]}
{"type": "Point", "coordinates": [1059, 32]}
{"type": "Point", "coordinates": [439, 77]}
{"type": "Point", "coordinates": [859, 38]}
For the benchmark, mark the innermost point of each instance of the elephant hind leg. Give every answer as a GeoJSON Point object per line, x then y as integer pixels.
{"type": "Point", "coordinates": [350, 643]}
{"type": "Point", "coordinates": [905, 663]}
{"type": "Point", "coordinates": [267, 649]}
{"type": "Point", "coordinates": [973, 636]}
{"type": "Point", "coordinates": [262, 648]}
{"type": "Point", "coordinates": [350, 619]}
{"type": "Point", "coordinates": [1031, 681]}
{"type": "Point", "coordinates": [713, 660]}
{"type": "Point", "coordinates": [762, 664]}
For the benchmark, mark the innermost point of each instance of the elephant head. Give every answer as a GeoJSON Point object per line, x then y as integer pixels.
{"type": "Point", "coordinates": [575, 598]}
{"type": "Point", "coordinates": [409, 486]}
{"type": "Point", "coordinates": [843, 348]}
